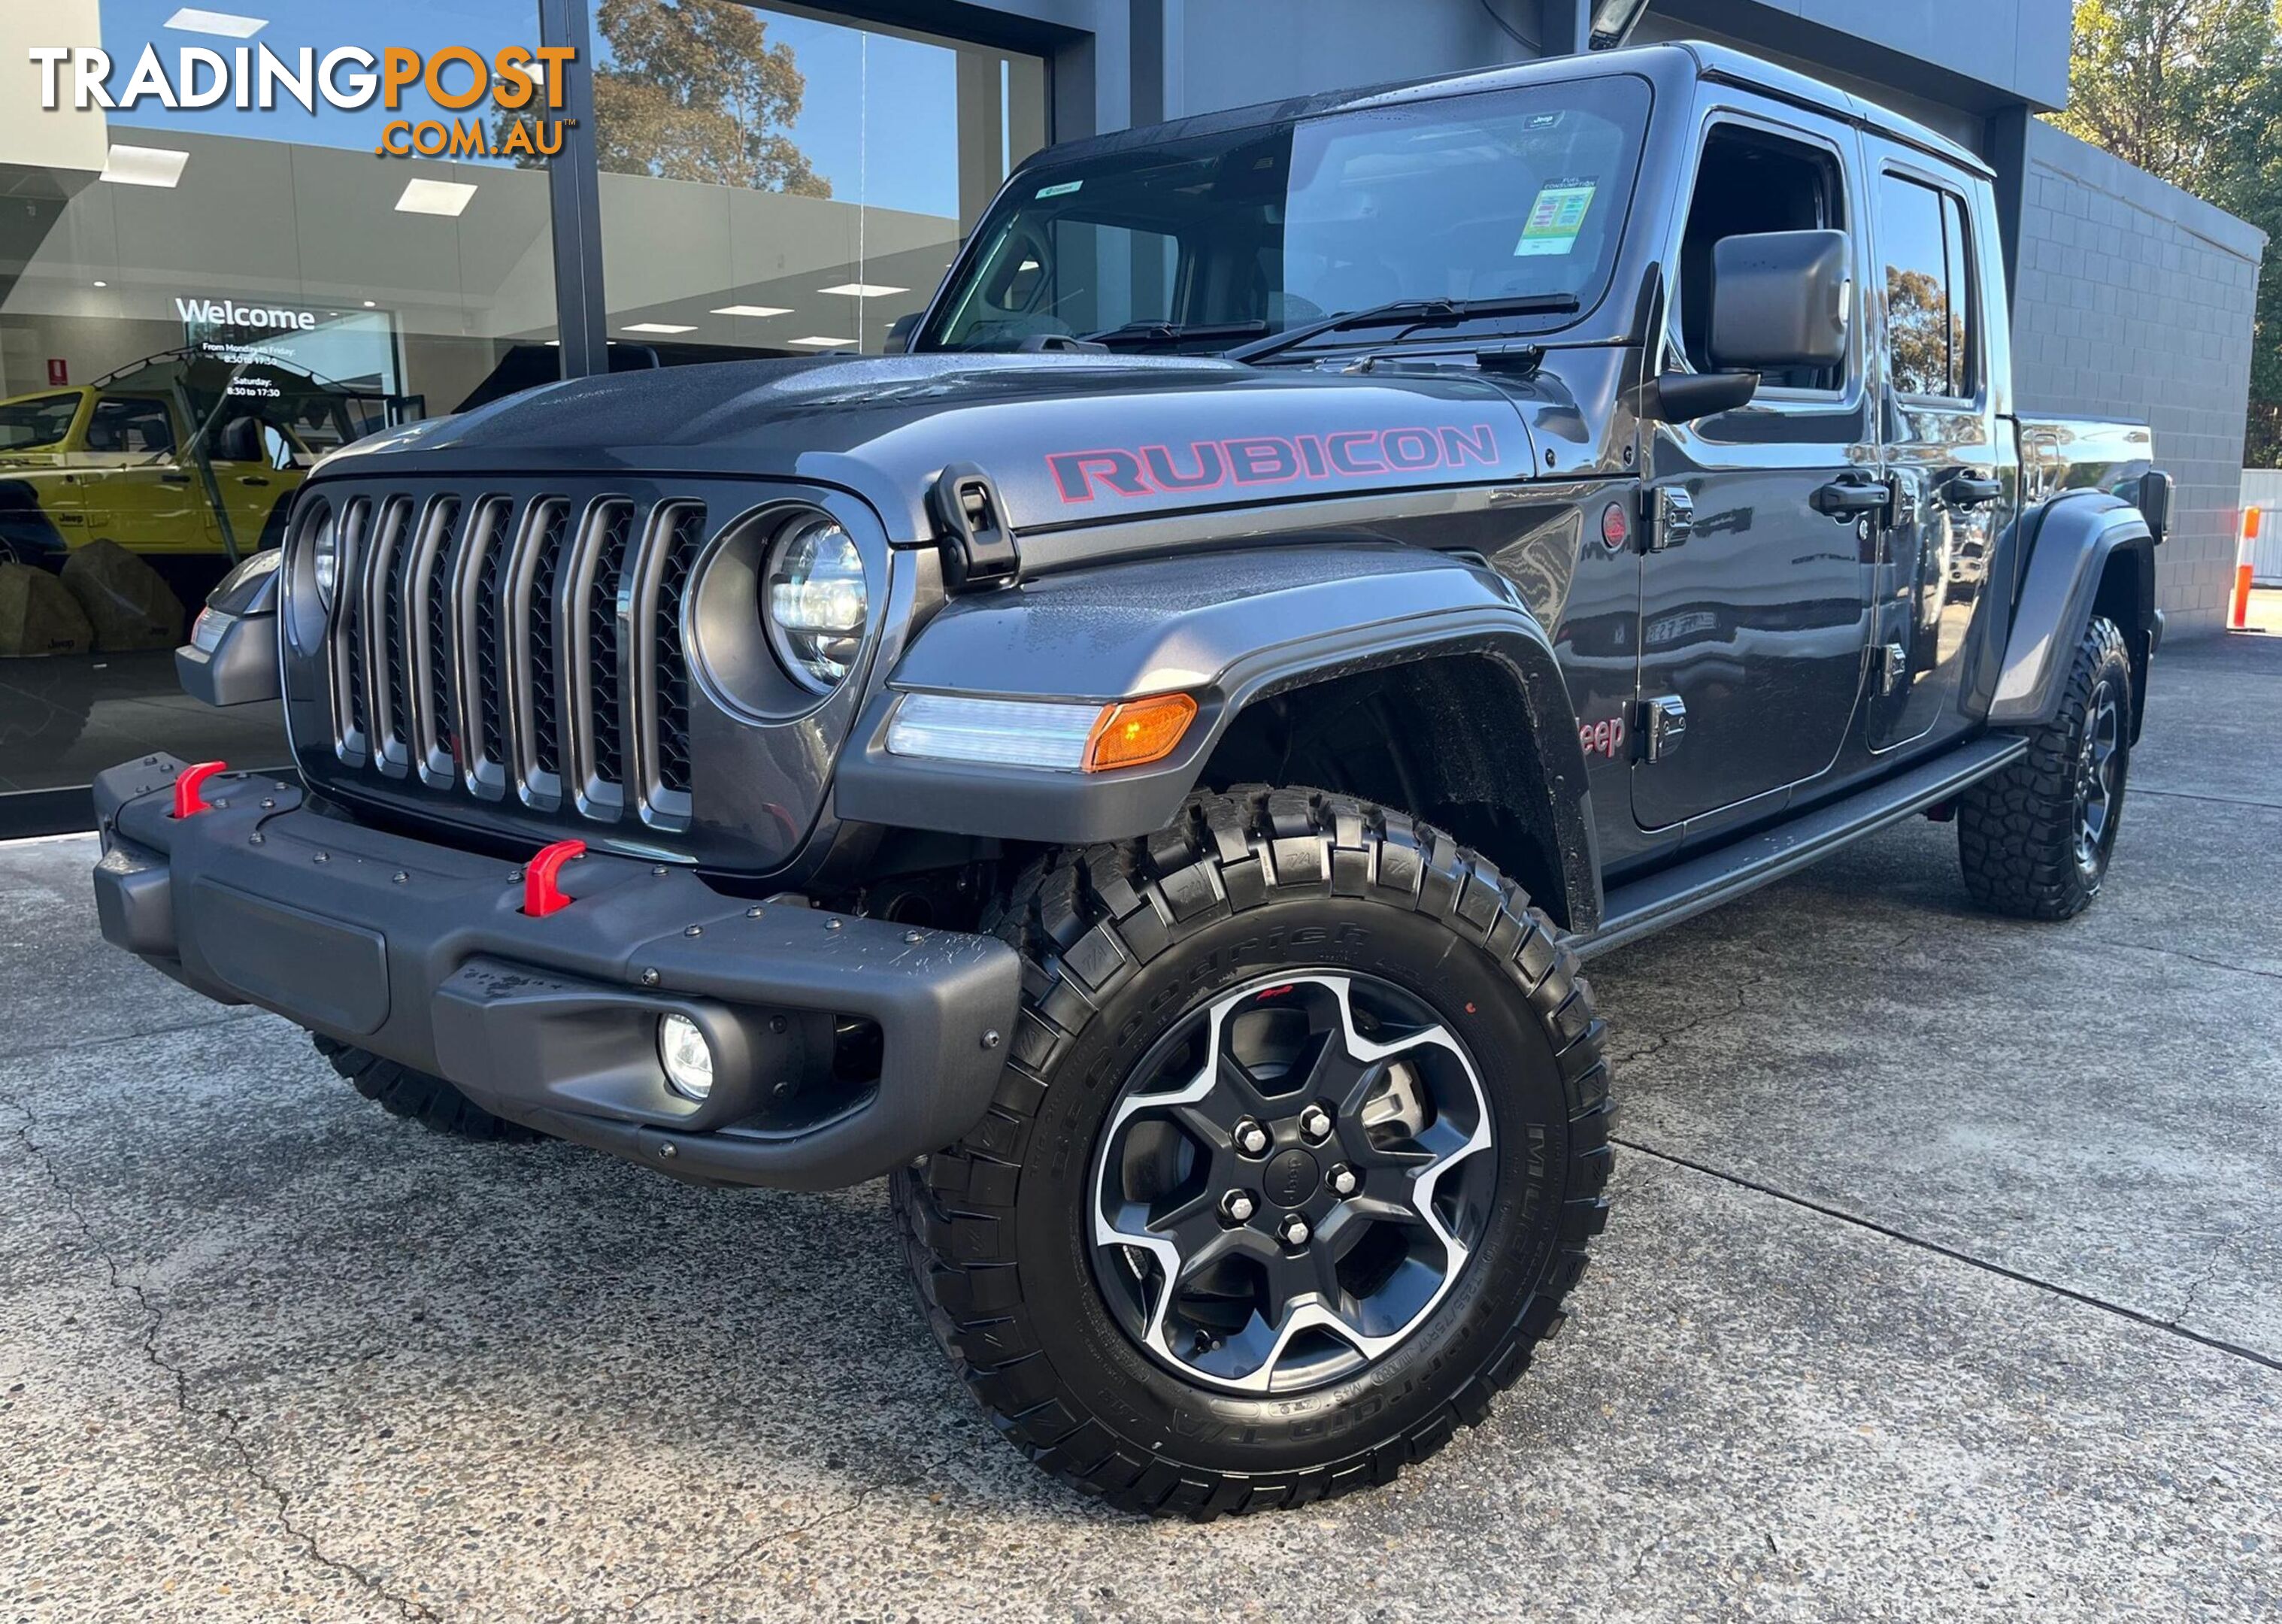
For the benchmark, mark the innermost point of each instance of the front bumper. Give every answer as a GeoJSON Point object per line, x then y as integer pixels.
{"type": "Point", "coordinates": [422, 953]}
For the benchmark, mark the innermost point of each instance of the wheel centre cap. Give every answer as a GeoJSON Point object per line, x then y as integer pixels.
{"type": "Point", "coordinates": [1291, 1178]}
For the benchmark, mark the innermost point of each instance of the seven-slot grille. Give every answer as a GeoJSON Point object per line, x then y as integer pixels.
{"type": "Point", "coordinates": [524, 647]}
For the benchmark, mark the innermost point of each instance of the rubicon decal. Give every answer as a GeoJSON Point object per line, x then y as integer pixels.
{"type": "Point", "coordinates": [1269, 458]}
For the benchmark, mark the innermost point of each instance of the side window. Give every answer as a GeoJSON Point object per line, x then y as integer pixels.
{"type": "Point", "coordinates": [1751, 181]}
{"type": "Point", "coordinates": [1964, 361]}
{"type": "Point", "coordinates": [140, 426]}
{"type": "Point", "coordinates": [1929, 289]}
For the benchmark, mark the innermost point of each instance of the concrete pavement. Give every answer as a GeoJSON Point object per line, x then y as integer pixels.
{"type": "Point", "coordinates": [1942, 1283]}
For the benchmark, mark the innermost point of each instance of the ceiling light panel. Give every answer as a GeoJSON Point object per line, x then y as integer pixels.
{"type": "Point", "coordinates": [863, 290]}
{"type": "Point", "coordinates": [229, 25]}
{"type": "Point", "coordinates": [144, 165]}
{"type": "Point", "coordinates": [448, 198]}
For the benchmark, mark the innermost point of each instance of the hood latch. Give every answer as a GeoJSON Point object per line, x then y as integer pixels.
{"type": "Point", "coordinates": [979, 548]}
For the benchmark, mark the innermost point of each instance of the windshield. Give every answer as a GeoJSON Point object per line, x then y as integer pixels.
{"type": "Point", "coordinates": [42, 421]}
{"type": "Point", "coordinates": [1232, 237]}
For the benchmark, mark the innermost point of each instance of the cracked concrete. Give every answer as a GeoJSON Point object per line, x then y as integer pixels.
{"type": "Point", "coordinates": [1887, 1341]}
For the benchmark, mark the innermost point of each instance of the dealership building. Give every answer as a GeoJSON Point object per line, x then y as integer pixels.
{"type": "Point", "coordinates": [420, 286]}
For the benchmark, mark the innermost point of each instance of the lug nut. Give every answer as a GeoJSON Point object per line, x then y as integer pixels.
{"type": "Point", "coordinates": [1293, 1230]}
{"type": "Point", "coordinates": [1238, 1206]}
{"type": "Point", "coordinates": [1343, 1181]}
{"type": "Point", "coordinates": [1316, 1122]}
{"type": "Point", "coordinates": [1250, 1138]}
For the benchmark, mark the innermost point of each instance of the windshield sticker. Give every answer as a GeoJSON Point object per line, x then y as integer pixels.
{"type": "Point", "coordinates": [1556, 218]}
{"type": "Point", "coordinates": [1060, 191]}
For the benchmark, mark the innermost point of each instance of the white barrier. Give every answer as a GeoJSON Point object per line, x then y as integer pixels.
{"type": "Point", "coordinates": [2262, 488]}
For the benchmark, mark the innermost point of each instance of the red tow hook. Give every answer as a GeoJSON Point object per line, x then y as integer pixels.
{"type": "Point", "coordinates": [188, 802]}
{"type": "Point", "coordinates": [540, 895]}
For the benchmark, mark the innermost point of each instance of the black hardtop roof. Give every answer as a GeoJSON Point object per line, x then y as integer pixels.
{"type": "Point", "coordinates": [1687, 58]}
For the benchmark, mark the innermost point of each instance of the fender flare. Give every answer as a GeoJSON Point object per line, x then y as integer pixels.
{"type": "Point", "coordinates": [2076, 536]}
{"type": "Point", "coordinates": [1231, 629]}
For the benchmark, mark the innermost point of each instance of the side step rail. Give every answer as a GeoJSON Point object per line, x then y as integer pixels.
{"type": "Point", "coordinates": [1689, 888]}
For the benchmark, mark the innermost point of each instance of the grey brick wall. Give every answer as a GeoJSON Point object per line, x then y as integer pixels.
{"type": "Point", "coordinates": [2132, 299]}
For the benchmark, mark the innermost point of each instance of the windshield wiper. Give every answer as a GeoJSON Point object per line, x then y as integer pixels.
{"type": "Point", "coordinates": [1175, 332]}
{"type": "Point", "coordinates": [1416, 312]}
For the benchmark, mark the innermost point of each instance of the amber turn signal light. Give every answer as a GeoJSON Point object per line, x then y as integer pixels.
{"type": "Point", "coordinates": [1135, 732]}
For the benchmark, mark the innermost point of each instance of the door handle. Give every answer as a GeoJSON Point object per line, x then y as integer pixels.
{"type": "Point", "coordinates": [174, 478]}
{"type": "Point", "coordinates": [252, 480]}
{"type": "Point", "coordinates": [1969, 491]}
{"type": "Point", "coordinates": [1842, 499]}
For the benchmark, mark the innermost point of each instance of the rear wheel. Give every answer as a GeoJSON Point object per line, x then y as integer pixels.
{"type": "Point", "coordinates": [1298, 1149]}
{"type": "Point", "coordinates": [419, 1098]}
{"type": "Point", "coordinates": [2035, 839]}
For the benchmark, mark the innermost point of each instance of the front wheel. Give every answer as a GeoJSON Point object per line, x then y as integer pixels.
{"type": "Point", "coordinates": [1299, 1145]}
{"type": "Point", "coordinates": [2035, 839]}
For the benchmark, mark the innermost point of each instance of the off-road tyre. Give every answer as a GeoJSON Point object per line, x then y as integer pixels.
{"type": "Point", "coordinates": [2017, 830]}
{"type": "Point", "coordinates": [1117, 942]}
{"type": "Point", "coordinates": [419, 1098]}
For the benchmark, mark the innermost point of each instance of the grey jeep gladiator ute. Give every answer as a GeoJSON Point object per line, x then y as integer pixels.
{"type": "Point", "coordinates": [1140, 768]}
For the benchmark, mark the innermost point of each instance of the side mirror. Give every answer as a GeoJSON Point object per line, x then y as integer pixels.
{"type": "Point", "coordinates": [2152, 498]}
{"type": "Point", "coordinates": [1779, 299]}
{"type": "Point", "coordinates": [1683, 397]}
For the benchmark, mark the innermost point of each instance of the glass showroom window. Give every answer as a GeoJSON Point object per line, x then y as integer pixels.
{"type": "Point", "coordinates": [197, 302]}
{"type": "Point", "coordinates": [775, 183]}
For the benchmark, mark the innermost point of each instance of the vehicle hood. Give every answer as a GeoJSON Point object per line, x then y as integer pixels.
{"type": "Point", "coordinates": [1067, 439]}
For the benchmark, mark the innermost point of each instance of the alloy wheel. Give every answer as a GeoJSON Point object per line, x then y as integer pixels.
{"type": "Point", "coordinates": [1292, 1179]}
{"type": "Point", "coordinates": [2099, 784]}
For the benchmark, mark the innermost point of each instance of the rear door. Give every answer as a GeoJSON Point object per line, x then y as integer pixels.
{"type": "Point", "coordinates": [1951, 477]}
{"type": "Point", "coordinates": [1753, 625]}
{"type": "Point", "coordinates": [255, 466]}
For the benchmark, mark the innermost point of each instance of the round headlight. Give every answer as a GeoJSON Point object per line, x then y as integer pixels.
{"type": "Point", "coordinates": [816, 605]}
{"type": "Point", "coordinates": [325, 563]}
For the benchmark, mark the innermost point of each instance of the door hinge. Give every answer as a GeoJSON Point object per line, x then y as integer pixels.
{"type": "Point", "coordinates": [1893, 665]}
{"type": "Point", "coordinates": [1667, 517]}
{"type": "Point", "coordinates": [979, 547]}
{"type": "Point", "coordinates": [1664, 724]}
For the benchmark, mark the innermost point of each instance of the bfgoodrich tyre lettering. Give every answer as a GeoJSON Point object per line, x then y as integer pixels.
{"type": "Point", "coordinates": [1120, 943]}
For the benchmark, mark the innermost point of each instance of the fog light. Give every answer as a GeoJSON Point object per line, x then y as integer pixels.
{"type": "Point", "coordinates": [687, 1057]}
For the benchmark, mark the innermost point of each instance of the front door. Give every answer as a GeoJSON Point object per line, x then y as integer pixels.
{"type": "Point", "coordinates": [1753, 621]}
{"type": "Point", "coordinates": [1951, 470]}
{"type": "Point", "coordinates": [138, 493]}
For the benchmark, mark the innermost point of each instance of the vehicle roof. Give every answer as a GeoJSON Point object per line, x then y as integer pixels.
{"type": "Point", "coordinates": [49, 394]}
{"type": "Point", "coordinates": [1684, 59]}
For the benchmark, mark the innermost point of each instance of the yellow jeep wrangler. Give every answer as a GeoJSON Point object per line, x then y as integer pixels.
{"type": "Point", "coordinates": [108, 462]}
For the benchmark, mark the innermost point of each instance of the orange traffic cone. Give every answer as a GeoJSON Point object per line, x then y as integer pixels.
{"type": "Point", "coordinates": [2238, 616]}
